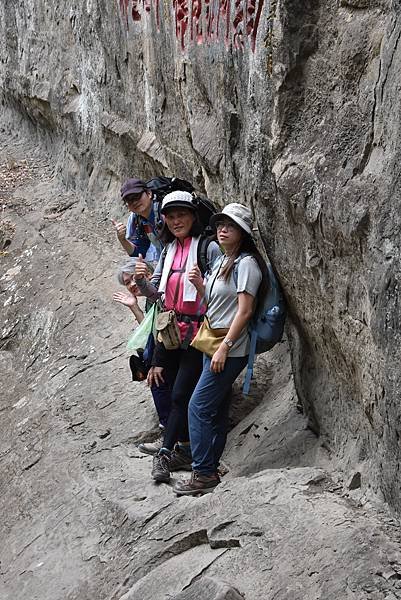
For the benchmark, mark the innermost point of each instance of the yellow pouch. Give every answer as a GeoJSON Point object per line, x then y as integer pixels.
{"type": "Point", "coordinates": [208, 340]}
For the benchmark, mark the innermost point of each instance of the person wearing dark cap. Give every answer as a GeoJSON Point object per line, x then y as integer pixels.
{"type": "Point", "coordinates": [140, 235]}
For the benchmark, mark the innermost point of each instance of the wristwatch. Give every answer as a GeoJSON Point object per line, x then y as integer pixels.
{"type": "Point", "coordinates": [228, 343]}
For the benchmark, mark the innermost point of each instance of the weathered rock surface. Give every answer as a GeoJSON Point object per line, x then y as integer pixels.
{"type": "Point", "coordinates": [303, 129]}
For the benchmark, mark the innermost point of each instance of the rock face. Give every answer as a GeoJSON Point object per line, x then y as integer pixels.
{"type": "Point", "coordinates": [289, 107]}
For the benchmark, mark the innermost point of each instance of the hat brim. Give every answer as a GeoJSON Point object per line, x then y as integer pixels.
{"type": "Point", "coordinates": [139, 370]}
{"type": "Point", "coordinates": [134, 191]}
{"type": "Point", "coordinates": [237, 220]}
{"type": "Point", "coordinates": [177, 204]}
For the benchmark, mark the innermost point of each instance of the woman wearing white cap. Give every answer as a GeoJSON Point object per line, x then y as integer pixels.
{"type": "Point", "coordinates": [237, 282]}
{"type": "Point", "coordinates": [181, 233]}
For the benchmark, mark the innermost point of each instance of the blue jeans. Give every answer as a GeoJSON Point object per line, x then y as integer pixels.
{"type": "Point", "coordinates": [208, 413]}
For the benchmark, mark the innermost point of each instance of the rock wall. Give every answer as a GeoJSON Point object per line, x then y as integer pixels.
{"type": "Point", "coordinates": [336, 147]}
{"type": "Point", "coordinates": [295, 115]}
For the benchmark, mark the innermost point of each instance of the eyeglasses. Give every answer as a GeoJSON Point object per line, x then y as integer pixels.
{"type": "Point", "coordinates": [228, 225]}
{"type": "Point", "coordinates": [133, 198]}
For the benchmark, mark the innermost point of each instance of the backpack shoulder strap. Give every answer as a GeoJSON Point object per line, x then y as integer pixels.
{"type": "Point", "coordinates": [138, 224]}
{"type": "Point", "coordinates": [235, 267]}
{"type": "Point", "coordinates": [202, 254]}
{"type": "Point", "coordinates": [251, 360]}
{"type": "Point", "coordinates": [253, 334]}
{"type": "Point", "coordinates": [163, 256]}
{"type": "Point", "coordinates": [156, 209]}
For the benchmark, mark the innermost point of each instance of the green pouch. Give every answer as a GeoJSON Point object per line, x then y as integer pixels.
{"type": "Point", "coordinates": [139, 337]}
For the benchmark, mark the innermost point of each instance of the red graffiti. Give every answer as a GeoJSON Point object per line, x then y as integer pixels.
{"type": "Point", "coordinates": [203, 21]}
{"type": "Point", "coordinates": [136, 16]}
{"type": "Point", "coordinates": [252, 27]}
{"type": "Point", "coordinates": [135, 8]}
{"type": "Point", "coordinates": [225, 12]}
{"type": "Point", "coordinates": [212, 20]}
{"type": "Point", "coordinates": [181, 20]}
{"type": "Point", "coordinates": [196, 21]}
{"type": "Point", "coordinates": [124, 9]}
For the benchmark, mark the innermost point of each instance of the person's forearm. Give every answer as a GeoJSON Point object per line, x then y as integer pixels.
{"type": "Point", "coordinates": [128, 246]}
{"type": "Point", "coordinates": [160, 356]}
{"type": "Point", "coordinates": [239, 323]}
{"type": "Point", "coordinates": [138, 313]}
{"type": "Point", "coordinates": [147, 289]}
{"type": "Point", "coordinates": [200, 288]}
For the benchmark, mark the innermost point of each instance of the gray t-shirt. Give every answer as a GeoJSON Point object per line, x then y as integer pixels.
{"type": "Point", "coordinates": [222, 299]}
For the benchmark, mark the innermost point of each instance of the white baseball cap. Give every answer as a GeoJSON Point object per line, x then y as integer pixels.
{"type": "Point", "coordinates": [179, 199]}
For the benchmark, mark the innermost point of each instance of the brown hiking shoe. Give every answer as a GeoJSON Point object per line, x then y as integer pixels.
{"type": "Point", "coordinates": [180, 461]}
{"type": "Point", "coordinates": [198, 484]}
{"type": "Point", "coordinates": [161, 468]}
{"type": "Point", "coordinates": [151, 447]}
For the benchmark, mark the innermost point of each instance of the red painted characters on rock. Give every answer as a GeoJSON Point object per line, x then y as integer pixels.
{"type": "Point", "coordinates": [181, 20]}
{"type": "Point", "coordinates": [203, 21]}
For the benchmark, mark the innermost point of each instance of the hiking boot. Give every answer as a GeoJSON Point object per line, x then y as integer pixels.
{"type": "Point", "coordinates": [222, 469]}
{"type": "Point", "coordinates": [161, 469]}
{"type": "Point", "coordinates": [198, 484]}
{"type": "Point", "coordinates": [151, 447]}
{"type": "Point", "coordinates": [180, 461]}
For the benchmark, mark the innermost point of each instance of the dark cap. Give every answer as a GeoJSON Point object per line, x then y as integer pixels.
{"type": "Point", "coordinates": [133, 186]}
{"type": "Point", "coordinates": [138, 368]}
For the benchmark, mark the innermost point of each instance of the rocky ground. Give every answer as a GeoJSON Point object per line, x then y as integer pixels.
{"type": "Point", "coordinates": [81, 518]}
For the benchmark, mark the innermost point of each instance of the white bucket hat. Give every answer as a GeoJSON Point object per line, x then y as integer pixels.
{"type": "Point", "coordinates": [239, 213]}
{"type": "Point", "coordinates": [179, 199]}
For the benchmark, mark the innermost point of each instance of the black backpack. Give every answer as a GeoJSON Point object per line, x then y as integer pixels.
{"type": "Point", "coordinates": [205, 209]}
{"type": "Point", "coordinates": [160, 186]}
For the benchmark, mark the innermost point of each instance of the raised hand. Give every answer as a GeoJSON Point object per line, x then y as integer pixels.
{"type": "Point", "coordinates": [121, 229]}
{"type": "Point", "coordinates": [195, 277]}
{"type": "Point", "coordinates": [141, 268]}
{"type": "Point", "coordinates": [126, 299]}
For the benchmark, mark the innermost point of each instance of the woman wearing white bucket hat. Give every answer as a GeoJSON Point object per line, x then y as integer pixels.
{"type": "Point", "coordinates": [181, 234]}
{"type": "Point", "coordinates": [231, 289]}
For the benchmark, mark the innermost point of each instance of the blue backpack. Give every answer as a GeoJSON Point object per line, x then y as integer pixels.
{"type": "Point", "coordinates": [267, 325]}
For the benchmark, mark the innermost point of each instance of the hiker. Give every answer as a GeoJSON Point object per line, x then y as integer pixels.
{"type": "Point", "coordinates": [235, 287]}
{"type": "Point", "coordinates": [140, 234]}
{"type": "Point", "coordinates": [182, 234]}
{"type": "Point", "coordinates": [125, 276]}
{"type": "Point", "coordinates": [140, 364]}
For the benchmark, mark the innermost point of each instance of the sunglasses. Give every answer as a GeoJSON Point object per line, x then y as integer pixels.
{"type": "Point", "coordinates": [228, 225]}
{"type": "Point", "coordinates": [133, 198]}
